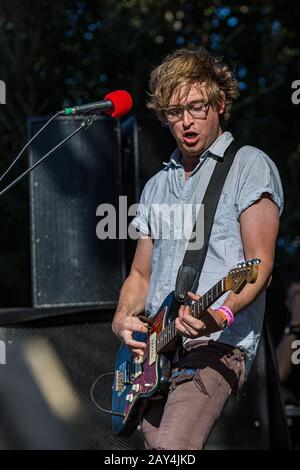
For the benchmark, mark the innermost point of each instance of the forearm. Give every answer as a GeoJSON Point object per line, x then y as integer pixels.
{"type": "Point", "coordinates": [237, 302]}
{"type": "Point", "coordinates": [133, 296]}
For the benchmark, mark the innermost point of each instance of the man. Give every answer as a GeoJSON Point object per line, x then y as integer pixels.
{"type": "Point", "coordinates": [192, 93]}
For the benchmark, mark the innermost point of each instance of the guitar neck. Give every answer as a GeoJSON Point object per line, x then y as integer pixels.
{"type": "Point", "coordinates": [169, 333]}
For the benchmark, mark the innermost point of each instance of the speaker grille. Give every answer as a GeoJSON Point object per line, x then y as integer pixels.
{"type": "Point", "coordinates": [153, 145]}
{"type": "Point", "coordinates": [86, 350]}
{"type": "Point", "coordinates": [70, 265]}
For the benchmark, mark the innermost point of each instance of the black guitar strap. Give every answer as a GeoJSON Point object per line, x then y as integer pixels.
{"type": "Point", "coordinates": [189, 272]}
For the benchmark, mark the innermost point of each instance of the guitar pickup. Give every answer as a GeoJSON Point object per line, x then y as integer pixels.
{"type": "Point", "coordinates": [152, 349]}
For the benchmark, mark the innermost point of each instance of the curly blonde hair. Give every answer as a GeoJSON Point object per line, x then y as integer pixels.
{"type": "Point", "coordinates": [190, 67]}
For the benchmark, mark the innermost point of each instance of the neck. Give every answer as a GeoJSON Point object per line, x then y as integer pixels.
{"type": "Point", "coordinates": [189, 163]}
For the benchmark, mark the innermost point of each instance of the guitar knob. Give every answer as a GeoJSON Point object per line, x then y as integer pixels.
{"type": "Point", "coordinates": [135, 387]}
{"type": "Point", "coordinates": [129, 397]}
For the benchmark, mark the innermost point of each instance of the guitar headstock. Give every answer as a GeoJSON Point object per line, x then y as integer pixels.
{"type": "Point", "coordinates": [246, 272]}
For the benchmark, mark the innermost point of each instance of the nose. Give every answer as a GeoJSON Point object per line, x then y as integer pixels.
{"type": "Point", "coordinates": [187, 119]}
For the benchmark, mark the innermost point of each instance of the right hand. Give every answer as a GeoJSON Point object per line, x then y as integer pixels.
{"type": "Point", "coordinates": [124, 328]}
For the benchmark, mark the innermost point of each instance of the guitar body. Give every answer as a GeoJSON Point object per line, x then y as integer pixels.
{"type": "Point", "coordinates": [138, 380]}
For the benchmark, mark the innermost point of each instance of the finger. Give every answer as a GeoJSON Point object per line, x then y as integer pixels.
{"type": "Point", "coordinates": [181, 311]}
{"type": "Point", "coordinates": [193, 296]}
{"type": "Point", "coordinates": [137, 352]}
{"type": "Point", "coordinates": [186, 310]}
{"type": "Point", "coordinates": [135, 344]}
{"type": "Point", "coordinates": [129, 341]}
{"type": "Point", "coordinates": [191, 322]}
{"type": "Point", "coordinates": [180, 328]}
{"type": "Point", "coordinates": [136, 326]}
{"type": "Point", "coordinates": [190, 330]}
{"type": "Point", "coordinates": [141, 328]}
{"type": "Point", "coordinates": [147, 320]}
{"type": "Point", "coordinates": [183, 330]}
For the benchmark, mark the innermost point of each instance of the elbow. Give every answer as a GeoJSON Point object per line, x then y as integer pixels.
{"type": "Point", "coordinates": [266, 270]}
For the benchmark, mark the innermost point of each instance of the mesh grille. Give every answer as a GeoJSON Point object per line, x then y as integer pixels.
{"type": "Point", "coordinates": [70, 264]}
{"type": "Point", "coordinates": [86, 351]}
{"type": "Point", "coordinates": [153, 145]}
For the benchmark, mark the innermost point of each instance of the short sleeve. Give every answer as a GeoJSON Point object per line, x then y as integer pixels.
{"type": "Point", "coordinates": [141, 220]}
{"type": "Point", "coordinates": [259, 175]}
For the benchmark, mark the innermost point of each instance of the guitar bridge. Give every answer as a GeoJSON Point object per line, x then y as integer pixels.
{"type": "Point", "coordinates": [119, 381]}
{"type": "Point", "coordinates": [122, 377]}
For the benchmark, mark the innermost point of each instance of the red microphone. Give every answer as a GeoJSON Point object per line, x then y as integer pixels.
{"type": "Point", "coordinates": [122, 103]}
{"type": "Point", "coordinates": [116, 104]}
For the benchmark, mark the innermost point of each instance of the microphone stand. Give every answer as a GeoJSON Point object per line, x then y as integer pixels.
{"type": "Point", "coordinates": [85, 125]}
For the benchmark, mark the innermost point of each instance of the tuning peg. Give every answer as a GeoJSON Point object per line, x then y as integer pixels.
{"type": "Point", "coordinates": [239, 265]}
{"type": "Point", "coordinates": [252, 261]}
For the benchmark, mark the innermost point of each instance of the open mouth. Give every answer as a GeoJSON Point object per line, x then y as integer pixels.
{"type": "Point", "coordinates": [190, 137]}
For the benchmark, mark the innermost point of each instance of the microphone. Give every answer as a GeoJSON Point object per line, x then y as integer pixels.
{"type": "Point", "coordinates": [116, 104]}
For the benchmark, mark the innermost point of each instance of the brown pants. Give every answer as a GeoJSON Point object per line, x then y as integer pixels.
{"type": "Point", "coordinates": [184, 419]}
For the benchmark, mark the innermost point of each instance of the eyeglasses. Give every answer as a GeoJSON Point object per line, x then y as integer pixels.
{"type": "Point", "coordinates": [175, 113]}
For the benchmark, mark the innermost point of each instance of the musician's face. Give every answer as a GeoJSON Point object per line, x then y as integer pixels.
{"type": "Point", "coordinates": [194, 132]}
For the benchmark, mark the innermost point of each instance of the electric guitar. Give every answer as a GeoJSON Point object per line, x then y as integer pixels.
{"type": "Point", "coordinates": [138, 379]}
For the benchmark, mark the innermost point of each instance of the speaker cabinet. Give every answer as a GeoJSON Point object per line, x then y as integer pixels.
{"type": "Point", "coordinates": [67, 354]}
{"type": "Point", "coordinates": [71, 266]}
{"type": "Point", "coordinates": [153, 145]}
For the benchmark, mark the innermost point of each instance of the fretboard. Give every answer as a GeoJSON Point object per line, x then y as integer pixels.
{"type": "Point", "coordinates": [169, 333]}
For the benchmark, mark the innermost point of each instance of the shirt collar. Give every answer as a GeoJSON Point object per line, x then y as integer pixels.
{"type": "Point", "coordinates": [217, 148]}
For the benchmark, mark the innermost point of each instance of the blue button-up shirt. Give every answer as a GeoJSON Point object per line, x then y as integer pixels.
{"type": "Point", "coordinates": [252, 173]}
